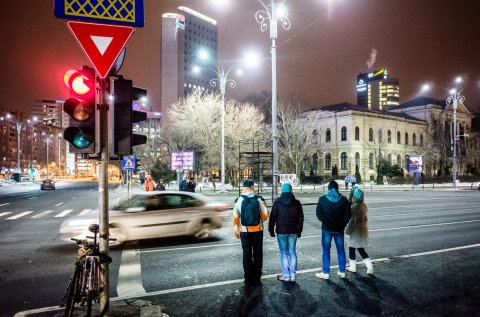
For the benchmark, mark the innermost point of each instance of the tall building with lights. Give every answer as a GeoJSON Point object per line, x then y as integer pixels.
{"type": "Point", "coordinates": [183, 34]}
{"type": "Point", "coordinates": [376, 91]}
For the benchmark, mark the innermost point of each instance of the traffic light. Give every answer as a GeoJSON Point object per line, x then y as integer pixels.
{"type": "Point", "coordinates": [123, 117]}
{"type": "Point", "coordinates": [81, 109]}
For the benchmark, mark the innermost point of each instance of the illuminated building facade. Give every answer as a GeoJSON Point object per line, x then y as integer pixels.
{"type": "Point", "coordinates": [183, 34]}
{"type": "Point", "coordinates": [376, 91]}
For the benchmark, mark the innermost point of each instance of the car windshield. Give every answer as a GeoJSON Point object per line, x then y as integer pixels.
{"type": "Point", "coordinates": [135, 201]}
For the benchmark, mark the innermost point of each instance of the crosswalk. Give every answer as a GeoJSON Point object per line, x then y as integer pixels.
{"type": "Point", "coordinates": [8, 215]}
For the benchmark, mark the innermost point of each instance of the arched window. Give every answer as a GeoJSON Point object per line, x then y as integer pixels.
{"type": "Point", "coordinates": [406, 138]}
{"type": "Point", "coordinates": [370, 135]}
{"type": "Point", "coordinates": [343, 161]}
{"type": "Point", "coordinates": [344, 133]}
{"type": "Point", "coordinates": [357, 134]}
{"type": "Point", "coordinates": [315, 163]}
{"type": "Point", "coordinates": [328, 136]}
{"type": "Point", "coordinates": [421, 139]}
{"type": "Point", "coordinates": [398, 138]}
{"type": "Point", "coordinates": [357, 160]}
{"type": "Point", "coordinates": [380, 136]}
{"type": "Point", "coordinates": [328, 161]}
{"type": "Point", "coordinates": [315, 136]}
{"type": "Point", "coordinates": [370, 161]}
{"type": "Point", "coordinates": [399, 160]}
{"type": "Point", "coordinates": [414, 139]}
{"type": "Point", "coordinates": [389, 158]}
{"type": "Point", "coordinates": [389, 136]}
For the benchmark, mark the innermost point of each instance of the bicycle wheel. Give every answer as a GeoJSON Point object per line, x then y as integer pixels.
{"type": "Point", "coordinates": [72, 291]}
{"type": "Point", "coordinates": [92, 283]}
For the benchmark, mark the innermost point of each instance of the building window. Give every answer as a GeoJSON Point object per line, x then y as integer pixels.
{"type": "Point", "coordinates": [315, 136]}
{"type": "Point", "coordinates": [414, 139]}
{"type": "Point", "coordinates": [421, 139]}
{"type": "Point", "coordinates": [370, 161]}
{"type": "Point", "coordinates": [398, 138]}
{"type": "Point", "coordinates": [380, 136]}
{"type": "Point", "coordinates": [399, 160]}
{"type": "Point", "coordinates": [328, 136]}
{"type": "Point", "coordinates": [357, 160]}
{"type": "Point", "coordinates": [389, 136]}
{"type": "Point", "coordinates": [406, 138]}
{"type": "Point", "coordinates": [370, 135]}
{"type": "Point", "coordinates": [357, 134]}
{"type": "Point", "coordinates": [328, 161]}
{"type": "Point", "coordinates": [315, 163]}
{"type": "Point", "coordinates": [344, 133]}
{"type": "Point", "coordinates": [389, 158]}
{"type": "Point", "coordinates": [343, 161]}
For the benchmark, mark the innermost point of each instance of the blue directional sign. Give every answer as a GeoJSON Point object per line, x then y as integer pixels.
{"type": "Point", "coordinates": [123, 12]}
{"type": "Point", "coordinates": [129, 163]}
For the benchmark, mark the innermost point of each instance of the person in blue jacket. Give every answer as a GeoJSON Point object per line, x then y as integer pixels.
{"type": "Point", "coordinates": [333, 210]}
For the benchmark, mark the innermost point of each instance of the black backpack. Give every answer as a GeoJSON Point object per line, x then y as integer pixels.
{"type": "Point", "coordinates": [250, 213]}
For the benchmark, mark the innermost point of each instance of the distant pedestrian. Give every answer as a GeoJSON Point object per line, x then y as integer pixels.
{"type": "Point", "coordinates": [249, 214]}
{"type": "Point", "coordinates": [286, 219]}
{"type": "Point", "coordinates": [347, 180]}
{"type": "Point", "coordinates": [353, 180]}
{"type": "Point", "coordinates": [161, 185]}
{"type": "Point", "coordinates": [357, 231]}
{"type": "Point", "coordinates": [183, 185]}
{"type": "Point", "coordinates": [149, 184]}
{"type": "Point", "coordinates": [191, 185]}
{"type": "Point", "coordinates": [333, 210]}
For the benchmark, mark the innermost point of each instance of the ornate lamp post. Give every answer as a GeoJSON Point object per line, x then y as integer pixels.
{"type": "Point", "coordinates": [273, 12]}
{"type": "Point", "coordinates": [455, 98]}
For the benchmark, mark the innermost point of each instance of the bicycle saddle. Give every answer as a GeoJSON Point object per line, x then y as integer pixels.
{"type": "Point", "coordinates": [93, 228]}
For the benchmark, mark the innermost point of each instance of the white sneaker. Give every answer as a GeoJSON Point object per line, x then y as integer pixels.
{"type": "Point", "coordinates": [341, 274]}
{"type": "Point", "coordinates": [280, 277]}
{"type": "Point", "coordinates": [292, 278]}
{"type": "Point", "coordinates": [324, 276]}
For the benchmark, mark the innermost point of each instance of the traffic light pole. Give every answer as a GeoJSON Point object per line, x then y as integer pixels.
{"type": "Point", "coordinates": [103, 196]}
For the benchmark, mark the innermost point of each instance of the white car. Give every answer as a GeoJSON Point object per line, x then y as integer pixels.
{"type": "Point", "coordinates": [154, 215]}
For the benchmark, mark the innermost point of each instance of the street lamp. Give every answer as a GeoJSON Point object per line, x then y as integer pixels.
{"type": "Point", "coordinates": [272, 13]}
{"type": "Point", "coordinates": [222, 80]}
{"type": "Point", "coordinates": [19, 130]}
{"type": "Point", "coordinates": [455, 98]}
{"type": "Point", "coordinates": [59, 139]}
{"type": "Point", "coordinates": [47, 140]}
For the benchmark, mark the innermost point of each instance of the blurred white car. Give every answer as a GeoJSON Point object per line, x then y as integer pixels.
{"type": "Point", "coordinates": [154, 215]}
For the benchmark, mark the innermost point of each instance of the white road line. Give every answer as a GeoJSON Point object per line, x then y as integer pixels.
{"type": "Point", "coordinates": [201, 286]}
{"type": "Point", "coordinates": [64, 213]}
{"type": "Point", "coordinates": [46, 212]}
{"type": "Point", "coordinates": [4, 204]}
{"type": "Point", "coordinates": [19, 215]}
{"type": "Point", "coordinates": [34, 197]}
{"type": "Point", "coordinates": [429, 225]}
{"type": "Point", "coordinates": [85, 212]}
{"type": "Point", "coordinates": [129, 281]}
{"type": "Point", "coordinates": [5, 213]}
{"type": "Point", "coordinates": [58, 204]}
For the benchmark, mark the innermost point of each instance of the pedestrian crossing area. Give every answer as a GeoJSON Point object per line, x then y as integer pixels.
{"type": "Point", "coordinates": [9, 215]}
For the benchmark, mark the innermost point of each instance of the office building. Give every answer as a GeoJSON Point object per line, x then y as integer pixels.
{"type": "Point", "coordinates": [184, 34]}
{"type": "Point", "coordinates": [376, 91]}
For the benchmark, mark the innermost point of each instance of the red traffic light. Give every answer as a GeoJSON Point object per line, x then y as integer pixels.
{"type": "Point", "coordinates": [79, 83]}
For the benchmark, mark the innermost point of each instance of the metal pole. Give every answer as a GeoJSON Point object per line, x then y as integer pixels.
{"type": "Point", "coordinates": [103, 196]}
{"type": "Point", "coordinates": [454, 156]}
{"type": "Point", "coordinates": [48, 143]}
{"type": "Point", "coordinates": [223, 139]}
{"type": "Point", "coordinates": [274, 119]}
{"type": "Point", "coordinates": [19, 130]}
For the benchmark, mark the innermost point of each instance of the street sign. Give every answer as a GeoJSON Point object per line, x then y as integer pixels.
{"type": "Point", "coordinates": [128, 163]}
{"type": "Point", "coordinates": [122, 12]}
{"type": "Point", "coordinates": [102, 43]}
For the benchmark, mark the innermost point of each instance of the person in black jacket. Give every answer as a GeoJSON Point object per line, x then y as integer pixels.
{"type": "Point", "coordinates": [287, 216]}
{"type": "Point", "coordinates": [333, 210]}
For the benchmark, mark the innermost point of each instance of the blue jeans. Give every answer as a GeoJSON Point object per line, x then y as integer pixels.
{"type": "Point", "coordinates": [339, 239]}
{"type": "Point", "coordinates": [288, 256]}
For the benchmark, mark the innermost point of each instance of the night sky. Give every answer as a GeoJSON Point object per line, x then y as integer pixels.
{"type": "Point", "coordinates": [318, 59]}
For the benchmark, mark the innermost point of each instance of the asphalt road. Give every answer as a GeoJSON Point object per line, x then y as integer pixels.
{"type": "Point", "coordinates": [425, 247]}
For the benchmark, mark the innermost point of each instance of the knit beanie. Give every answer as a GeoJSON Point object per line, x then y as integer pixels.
{"type": "Point", "coordinates": [286, 188]}
{"type": "Point", "coordinates": [358, 195]}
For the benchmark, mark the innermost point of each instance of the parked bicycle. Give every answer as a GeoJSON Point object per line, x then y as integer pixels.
{"type": "Point", "coordinates": [85, 285]}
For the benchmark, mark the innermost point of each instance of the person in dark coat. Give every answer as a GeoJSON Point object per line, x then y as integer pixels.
{"type": "Point", "coordinates": [333, 210]}
{"type": "Point", "coordinates": [183, 185]}
{"type": "Point", "coordinates": [286, 219]}
{"type": "Point", "coordinates": [191, 185]}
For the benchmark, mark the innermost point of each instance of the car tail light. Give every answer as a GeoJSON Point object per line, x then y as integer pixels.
{"type": "Point", "coordinates": [222, 207]}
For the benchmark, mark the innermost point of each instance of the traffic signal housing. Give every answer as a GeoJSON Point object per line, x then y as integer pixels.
{"type": "Point", "coordinates": [81, 109]}
{"type": "Point", "coordinates": [123, 116]}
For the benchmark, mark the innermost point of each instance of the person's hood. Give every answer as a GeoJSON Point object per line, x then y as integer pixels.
{"type": "Point", "coordinates": [333, 195]}
{"type": "Point", "coordinates": [286, 199]}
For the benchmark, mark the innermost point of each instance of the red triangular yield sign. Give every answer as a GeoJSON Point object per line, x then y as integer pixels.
{"type": "Point", "coordinates": [102, 43]}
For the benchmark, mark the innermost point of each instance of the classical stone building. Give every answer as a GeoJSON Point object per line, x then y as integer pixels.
{"type": "Point", "coordinates": [349, 135]}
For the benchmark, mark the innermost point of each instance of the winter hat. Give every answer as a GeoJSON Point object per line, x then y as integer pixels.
{"type": "Point", "coordinates": [358, 195]}
{"type": "Point", "coordinates": [333, 184]}
{"type": "Point", "coordinates": [286, 188]}
{"type": "Point", "coordinates": [248, 184]}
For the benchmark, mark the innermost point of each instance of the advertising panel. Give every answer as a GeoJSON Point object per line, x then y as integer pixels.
{"type": "Point", "coordinates": [182, 160]}
{"type": "Point", "coordinates": [415, 164]}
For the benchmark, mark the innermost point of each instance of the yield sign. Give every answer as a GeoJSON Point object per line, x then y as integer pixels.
{"type": "Point", "coordinates": [102, 43]}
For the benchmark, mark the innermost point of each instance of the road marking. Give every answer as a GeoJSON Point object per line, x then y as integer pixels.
{"type": "Point", "coordinates": [5, 213]}
{"type": "Point", "coordinates": [64, 213]}
{"type": "Point", "coordinates": [429, 225]}
{"type": "Point", "coordinates": [58, 204]}
{"type": "Point", "coordinates": [85, 212]}
{"type": "Point", "coordinates": [4, 204]}
{"type": "Point", "coordinates": [34, 197]}
{"type": "Point", "coordinates": [46, 212]}
{"type": "Point", "coordinates": [19, 215]}
{"type": "Point", "coordinates": [129, 282]}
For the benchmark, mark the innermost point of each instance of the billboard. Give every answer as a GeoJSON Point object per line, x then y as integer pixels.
{"type": "Point", "coordinates": [414, 164]}
{"type": "Point", "coordinates": [182, 160]}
